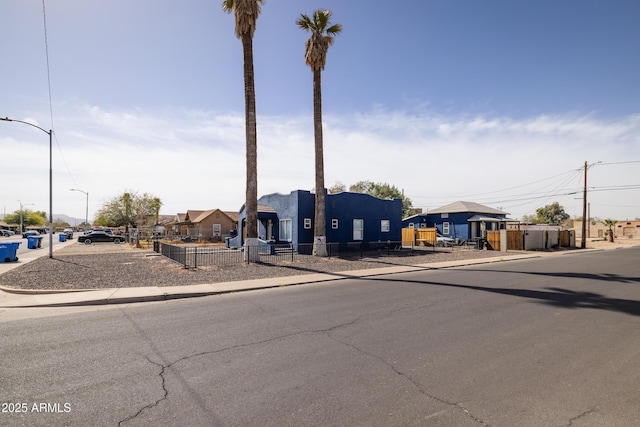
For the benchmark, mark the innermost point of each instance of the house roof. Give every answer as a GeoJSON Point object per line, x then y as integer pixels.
{"type": "Point", "coordinates": [483, 218]}
{"type": "Point", "coordinates": [233, 215]}
{"type": "Point", "coordinates": [469, 207]}
{"type": "Point", "coordinates": [266, 209]}
{"type": "Point", "coordinates": [192, 214]}
{"type": "Point", "coordinates": [199, 216]}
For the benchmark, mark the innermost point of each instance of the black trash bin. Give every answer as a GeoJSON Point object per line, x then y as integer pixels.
{"type": "Point", "coordinates": [481, 244]}
{"type": "Point", "coordinates": [156, 246]}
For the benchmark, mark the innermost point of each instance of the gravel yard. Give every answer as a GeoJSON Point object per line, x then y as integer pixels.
{"type": "Point", "coordinates": [105, 265]}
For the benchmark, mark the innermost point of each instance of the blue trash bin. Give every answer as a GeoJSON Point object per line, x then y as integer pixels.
{"type": "Point", "coordinates": [8, 251]}
{"type": "Point", "coordinates": [33, 242]}
{"type": "Point", "coordinates": [62, 237]}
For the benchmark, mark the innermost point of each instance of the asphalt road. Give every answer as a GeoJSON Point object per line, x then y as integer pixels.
{"type": "Point", "coordinates": [543, 342]}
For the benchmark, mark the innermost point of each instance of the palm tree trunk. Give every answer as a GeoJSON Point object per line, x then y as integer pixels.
{"type": "Point", "coordinates": [251, 203]}
{"type": "Point", "coordinates": [320, 238]}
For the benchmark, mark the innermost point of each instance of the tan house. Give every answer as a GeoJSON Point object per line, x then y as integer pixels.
{"type": "Point", "coordinates": [211, 225]}
{"type": "Point", "coordinates": [178, 226]}
{"type": "Point", "coordinates": [624, 229]}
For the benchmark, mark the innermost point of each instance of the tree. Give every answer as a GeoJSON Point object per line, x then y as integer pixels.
{"type": "Point", "coordinates": [384, 191]}
{"type": "Point", "coordinates": [29, 218]}
{"type": "Point", "coordinates": [246, 14]}
{"type": "Point", "coordinates": [610, 223]}
{"type": "Point", "coordinates": [551, 214]}
{"type": "Point", "coordinates": [338, 187]}
{"type": "Point", "coordinates": [156, 204]}
{"type": "Point", "coordinates": [60, 224]}
{"type": "Point", "coordinates": [316, 48]}
{"type": "Point", "coordinates": [128, 210]}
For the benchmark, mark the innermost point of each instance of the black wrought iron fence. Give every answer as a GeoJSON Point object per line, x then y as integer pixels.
{"type": "Point", "coordinates": [193, 256]}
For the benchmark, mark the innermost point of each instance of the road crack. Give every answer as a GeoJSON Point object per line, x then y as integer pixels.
{"type": "Point", "coordinates": [584, 414]}
{"type": "Point", "coordinates": [327, 330]}
{"type": "Point", "coordinates": [165, 367]}
{"type": "Point", "coordinates": [157, 402]}
{"type": "Point", "coordinates": [407, 377]}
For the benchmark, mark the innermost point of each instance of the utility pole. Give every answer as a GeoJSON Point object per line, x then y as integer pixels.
{"type": "Point", "coordinates": [583, 244]}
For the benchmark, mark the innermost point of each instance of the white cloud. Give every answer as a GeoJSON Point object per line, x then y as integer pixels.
{"type": "Point", "coordinates": [195, 159]}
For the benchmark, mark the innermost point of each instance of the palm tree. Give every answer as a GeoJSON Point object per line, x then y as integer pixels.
{"type": "Point", "coordinates": [246, 14]}
{"type": "Point", "coordinates": [322, 34]}
{"type": "Point", "coordinates": [610, 223]}
{"type": "Point", "coordinates": [156, 204]}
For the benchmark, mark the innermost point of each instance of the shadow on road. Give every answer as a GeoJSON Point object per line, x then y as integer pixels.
{"type": "Point", "coordinates": [557, 297]}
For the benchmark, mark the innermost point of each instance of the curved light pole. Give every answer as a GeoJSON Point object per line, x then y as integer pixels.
{"type": "Point", "coordinates": [86, 215]}
{"type": "Point", "coordinates": [50, 133]}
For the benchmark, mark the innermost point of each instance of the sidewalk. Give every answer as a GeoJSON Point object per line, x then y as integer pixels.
{"type": "Point", "coordinates": [32, 254]}
{"type": "Point", "coordinates": [11, 298]}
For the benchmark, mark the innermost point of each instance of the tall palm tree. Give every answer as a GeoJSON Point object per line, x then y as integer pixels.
{"type": "Point", "coordinates": [322, 35]}
{"type": "Point", "coordinates": [246, 14]}
{"type": "Point", "coordinates": [156, 204]}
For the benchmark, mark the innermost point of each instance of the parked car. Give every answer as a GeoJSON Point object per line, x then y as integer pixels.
{"type": "Point", "coordinates": [7, 232]}
{"type": "Point", "coordinates": [69, 233]}
{"type": "Point", "coordinates": [444, 241]}
{"type": "Point", "coordinates": [30, 233]}
{"type": "Point", "coordinates": [106, 230]}
{"type": "Point", "coordinates": [99, 236]}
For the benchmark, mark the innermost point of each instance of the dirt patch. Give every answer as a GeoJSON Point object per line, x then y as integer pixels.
{"type": "Point", "coordinates": [617, 243]}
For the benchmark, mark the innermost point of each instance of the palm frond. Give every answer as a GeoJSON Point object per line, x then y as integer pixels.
{"type": "Point", "coordinates": [227, 6]}
{"type": "Point", "coordinates": [304, 22]}
{"type": "Point", "coordinates": [246, 13]}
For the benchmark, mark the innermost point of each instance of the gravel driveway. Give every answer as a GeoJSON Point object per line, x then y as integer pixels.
{"type": "Point", "coordinates": [105, 265]}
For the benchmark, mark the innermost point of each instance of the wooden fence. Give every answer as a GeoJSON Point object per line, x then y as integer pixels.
{"type": "Point", "coordinates": [419, 237]}
{"type": "Point", "coordinates": [515, 240]}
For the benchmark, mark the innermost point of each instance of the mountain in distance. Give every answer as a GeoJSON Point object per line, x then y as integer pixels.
{"type": "Point", "coordinates": [68, 219]}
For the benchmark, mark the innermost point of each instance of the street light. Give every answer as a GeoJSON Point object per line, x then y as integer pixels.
{"type": "Point", "coordinates": [21, 206]}
{"type": "Point", "coordinates": [50, 133]}
{"type": "Point", "coordinates": [86, 216]}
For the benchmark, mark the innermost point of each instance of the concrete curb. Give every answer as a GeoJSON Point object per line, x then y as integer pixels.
{"type": "Point", "coordinates": [20, 298]}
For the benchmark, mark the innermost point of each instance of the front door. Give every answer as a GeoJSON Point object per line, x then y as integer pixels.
{"type": "Point", "coordinates": [358, 229]}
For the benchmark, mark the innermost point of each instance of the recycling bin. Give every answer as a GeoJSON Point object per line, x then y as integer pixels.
{"type": "Point", "coordinates": [8, 251]}
{"type": "Point", "coordinates": [62, 237]}
{"type": "Point", "coordinates": [34, 242]}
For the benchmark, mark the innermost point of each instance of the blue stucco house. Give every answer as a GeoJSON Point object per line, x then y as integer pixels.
{"type": "Point", "coordinates": [350, 217]}
{"type": "Point", "coordinates": [460, 220]}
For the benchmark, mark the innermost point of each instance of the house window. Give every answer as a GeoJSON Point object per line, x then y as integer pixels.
{"type": "Point", "coordinates": [384, 226]}
{"type": "Point", "coordinates": [423, 225]}
{"type": "Point", "coordinates": [445, 228]}
{"type": "Point", "coordinates": [217, 229]}
{"type": "Point", "coordinates": [411, 225]}
{"type": "Point", "coordinates": [307, 223]}
{"type": "Point", "coordinates": [334, 224]}
{"type": "Point", "coordinates": [358, 229]}
{"type": "Point", "coordinates": [285, 230]}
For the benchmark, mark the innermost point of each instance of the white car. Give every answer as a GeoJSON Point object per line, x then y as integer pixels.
{"type": "Point", "coordinates": [444, 241]}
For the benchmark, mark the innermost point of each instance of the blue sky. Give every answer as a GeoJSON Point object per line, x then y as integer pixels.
{"type": "Point", "coordinates": [498, 102]}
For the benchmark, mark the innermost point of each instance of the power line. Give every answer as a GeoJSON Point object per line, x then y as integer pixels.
{"type": "Point", "coordinates": [572, 171]}
{"type": "Point", "coordinates": [618, 163]}
{"type": "Point", "coordinates": [46, 49]}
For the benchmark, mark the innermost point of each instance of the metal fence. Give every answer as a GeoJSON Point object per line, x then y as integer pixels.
{"type": "Point", "coordinates": [194, 255]}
